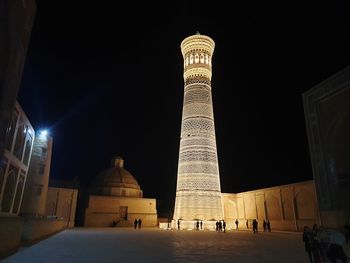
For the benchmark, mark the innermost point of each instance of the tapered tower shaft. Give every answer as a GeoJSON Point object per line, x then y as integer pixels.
{"type": "Point", "coordinates": [198, 193]}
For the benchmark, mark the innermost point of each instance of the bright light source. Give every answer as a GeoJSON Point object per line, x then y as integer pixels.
{"type": "Point", "coordinates": [44, 133]}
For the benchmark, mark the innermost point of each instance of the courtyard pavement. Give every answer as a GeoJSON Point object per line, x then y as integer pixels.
{"type": "Point", "coordinates": [152, 245]}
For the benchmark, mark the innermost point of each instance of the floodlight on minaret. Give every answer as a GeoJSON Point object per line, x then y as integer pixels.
{"type": "Point", "coordinates": [198, 193]}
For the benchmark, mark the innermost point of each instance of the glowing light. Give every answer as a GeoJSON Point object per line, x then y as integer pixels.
{"type": "Point", "coordinates": [44, 133]}
{"type": "Point", "coordinates": [198, 192]}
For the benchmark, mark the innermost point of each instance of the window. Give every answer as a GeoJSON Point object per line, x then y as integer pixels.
{"type": "Point", "coordinates": [27, 148]}
{"type": "Point", "coordinates": [10, 131]}
{"type": "Point", "coordinates": [20, 139]}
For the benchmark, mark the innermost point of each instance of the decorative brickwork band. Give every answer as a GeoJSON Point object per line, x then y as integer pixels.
{"type": "Point", "coordinates": [198, 193]}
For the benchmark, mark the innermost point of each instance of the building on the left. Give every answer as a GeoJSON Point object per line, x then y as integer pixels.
{"type": "Point", "coordinates": [29, 209]}
{"type": "Point", "coordinates": [25, 156]}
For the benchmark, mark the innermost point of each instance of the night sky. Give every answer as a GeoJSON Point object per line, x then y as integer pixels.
{"type": "Point", "coordinates": [106, 79]}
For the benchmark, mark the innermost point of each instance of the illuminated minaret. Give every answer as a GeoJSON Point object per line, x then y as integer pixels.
{"type": "Point", "coordinates": [198, 193]}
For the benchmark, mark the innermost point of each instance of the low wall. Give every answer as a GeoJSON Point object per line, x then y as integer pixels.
{"type": "Point", "coordinates": [38, 228]}
{"type": "Point", "coordinates": [10, 234]}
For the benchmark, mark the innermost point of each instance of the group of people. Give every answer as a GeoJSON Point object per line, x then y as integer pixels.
{"type": "Point", "coordinates": [137, 223]}
{"type": "Point", "coordinates": [323, 244]}
{"type": "Point", "coordinates": [221, 226]}
{"type": "Point", "coordinates": [266, 225]}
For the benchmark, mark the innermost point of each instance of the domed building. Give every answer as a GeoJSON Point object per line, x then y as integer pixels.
{"type": "Point", "coordinates": [115, 197]}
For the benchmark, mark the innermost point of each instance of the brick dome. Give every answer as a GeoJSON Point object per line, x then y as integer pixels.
{"type": "Point", "coordinates": [116, 181]}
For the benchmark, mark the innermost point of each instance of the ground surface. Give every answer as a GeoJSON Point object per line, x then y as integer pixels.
{"type": "Point", "coordinates": [109, 245]}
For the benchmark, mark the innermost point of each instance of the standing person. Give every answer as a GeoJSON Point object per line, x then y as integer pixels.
{"type": "Point", "coordinates": [201, 224]}
{"type": "Point", "coordinates": [139, 223]}
{"type": "Point", "coordinates": [197, 225]}
{"type": "Point", "coordinates": [217, 225]}
{"type": "Point", "coordinates": [264, 225]}
{"type": "Point", "coordinates": [236, 222]}
{"type": "Point", "coordinates": [135, 223]}
{"type": "Point", "coordinates": [247, 224]}
{"type": "Point", "coordinates": [255, 226]}
{"type": "Point", "coordinates": [315, 245]}
{"type": "Point", "coordinates": [178, 224]}
{"type": "Point", "coordinates": [268, 225]}
{"type": "Point", "coordinates": [224, 225]}
{"type": "Point", "coordinates": [307, 242]}
{"type": "Point", "coordinates": [347, 232]}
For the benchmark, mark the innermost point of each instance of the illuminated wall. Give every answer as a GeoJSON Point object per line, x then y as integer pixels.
{"type": "Point", "coordinates": [198, 193]}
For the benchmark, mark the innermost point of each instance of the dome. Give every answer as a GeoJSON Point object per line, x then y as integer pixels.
{"type": "Point", "coordinates": [116, 181]}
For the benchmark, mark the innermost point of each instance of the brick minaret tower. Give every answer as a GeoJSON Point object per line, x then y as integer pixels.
{"type": "Point", "coordinates": [198, 193]}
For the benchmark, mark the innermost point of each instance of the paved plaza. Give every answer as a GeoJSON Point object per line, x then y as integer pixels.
{"type": "Point", "coordinates": [107, 245]}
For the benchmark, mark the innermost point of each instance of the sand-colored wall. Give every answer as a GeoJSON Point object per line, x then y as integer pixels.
{"type": "Point", "coordinates": [103, 210]}
{"type": "Point", "coordinates": [35, 228]}
{"type": "Point", "coordinates": [288, 207]}
{"type": "Point", "coordinates": [61, 203]}
{"type": "Point", "coordinates": [10, 234]}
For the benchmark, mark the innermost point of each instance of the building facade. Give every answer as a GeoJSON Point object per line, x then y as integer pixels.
{"type": "Point", "coordinates": [16, 21]}
{"type": "Point", "coordinates": [287, 207]}
{"type": "Point", "coordinates": [327, 115]}
{"type": "Point", "coordinates": [198, 193]}
{"type": "Point", "coordinates": [14, 165]}
{"type": "Point", "coordinates": [115, 198]}
{"type": "Point", "coordinates": [34, 201]}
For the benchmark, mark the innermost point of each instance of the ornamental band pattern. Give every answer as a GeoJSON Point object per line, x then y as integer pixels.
{"type": "Point", "coordinates": [198, 193]}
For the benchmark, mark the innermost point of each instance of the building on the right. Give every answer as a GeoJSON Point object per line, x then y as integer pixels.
{"type": "Point", "coordinates": [327, 114]}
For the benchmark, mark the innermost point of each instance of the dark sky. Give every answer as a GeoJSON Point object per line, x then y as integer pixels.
{"type": "Point", "coordinates": [106, 78]}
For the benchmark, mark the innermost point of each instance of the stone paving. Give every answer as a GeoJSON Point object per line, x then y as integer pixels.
{"type": "Point", "coordinates": [107, 245]}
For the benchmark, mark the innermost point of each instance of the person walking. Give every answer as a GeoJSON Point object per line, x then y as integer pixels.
{"type": "Point", "coordinates": [255, 226]}
{"type": "Point", "coordinates": [236, 222]}
{"type": "Point", "coordinates": [139, 223]}
{"type": "Point", "coordinates": [268, 227]}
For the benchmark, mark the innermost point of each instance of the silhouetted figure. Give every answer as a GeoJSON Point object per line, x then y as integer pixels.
{"type": "Point", "coordinates": [315, 245]}
{"type": "Point", "coordinates": [178, 224]}
{"type": "Point", "coordinates": [335, 252]}
{"type": "Point", "coordinates": [264, 226]}
{"type": "Point", "coordinates": [224, 225]}
{"type": "Point", "coordinates": [247, 223]}
{"type": "Point", "coordinates": [255, 226]}
{"type": "Point", "coordinates": [197, 225]}
{"type": "Point", "coordinates": [217, 225]}
{"type": "Point", "coordinates": [236, 222]}
{"type": "Point", "coordinates": [135, 223]}
{"type": "Point", "coordinates": [323, 240]}
{"type": "Point", "coordinates": [268, 227]}
{"type": "Point", "coordinates": [347, 232]}
{"type": "Point", "coordinates": [220, 226]}
{"type": "Point", "coordinates": [139, 223]}
{"type": "Point", "coordinates": [201, 225]}
{"type": "Point", "coordinates": [114, 224]}
{"type": "Point", "coordinates": [307, 241]}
